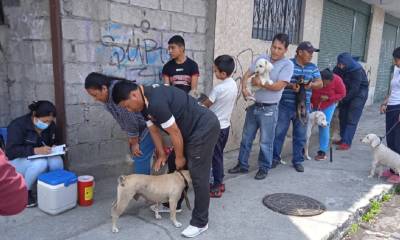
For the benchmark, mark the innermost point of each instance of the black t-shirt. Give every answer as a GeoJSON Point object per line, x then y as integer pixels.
{"type": "Point", "coordinates": [167, 105]}
{"type": "Point", "coordinates": [180, 75]}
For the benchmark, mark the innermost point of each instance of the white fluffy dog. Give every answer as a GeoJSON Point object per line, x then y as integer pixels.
{"type": "Point", "coordinates": [263, 68]}
{"type": "Point", "coordinates": [383, 156]}
{"type": "Point", "coordinates": [316, 118]}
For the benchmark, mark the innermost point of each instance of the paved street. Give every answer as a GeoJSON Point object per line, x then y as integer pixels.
{"type": "Point", "coordinates": [342, 186]}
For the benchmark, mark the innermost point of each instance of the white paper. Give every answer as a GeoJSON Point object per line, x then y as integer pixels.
{"type": "Point", "coordinates": [55, 151]}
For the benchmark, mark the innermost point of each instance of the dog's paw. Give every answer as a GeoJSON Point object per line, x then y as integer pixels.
{"type": "Point", "coordinates": [177, 224]}
{"type": "Point", "coordinates": [308, 158]}
{"type": "Point", "coordinates": [370, 176]}
{"type": "Point", "coordinates": [158, 216]}
{"type": "Point", "coordinates": [115, 230]}
{"type": "Point", "coordinates": [283, 162]}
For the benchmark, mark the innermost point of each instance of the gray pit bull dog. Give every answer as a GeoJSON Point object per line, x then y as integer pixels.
{"type": "Point", "coordinates": [158, 189]}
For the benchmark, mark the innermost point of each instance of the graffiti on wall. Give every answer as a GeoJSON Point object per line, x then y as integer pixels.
{"type": "Point", "coordinates": [135, 53]}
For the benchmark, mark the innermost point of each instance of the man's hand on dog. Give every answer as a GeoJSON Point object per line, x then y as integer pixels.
{"type": "Point", "coordinates": [294, 86]}
{"type": "Point", "coordinates": [180, 162]}
{"type": "Point", "coordinates": [256, 82]}
{"type": "Point", "coordinates": [159, 163]}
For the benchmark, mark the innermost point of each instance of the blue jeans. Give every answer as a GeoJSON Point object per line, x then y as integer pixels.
{"type": "Point", "coordinates": [263, 118]}
{"type": "Point", "coordinates": [287, 113]}
{"type": "Point", "coordinates": [324, 134]}
{"type": "Point", "coordinates": [32, 168]}
{"type": "Point", "coordinates": [143, 162]}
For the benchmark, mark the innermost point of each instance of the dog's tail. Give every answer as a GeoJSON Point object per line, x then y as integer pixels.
{"type": "Point", "coordinates": [121, 180]}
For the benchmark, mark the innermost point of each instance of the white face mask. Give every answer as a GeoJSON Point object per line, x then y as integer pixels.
{"type": "Point", "coordinates": [40, 124]}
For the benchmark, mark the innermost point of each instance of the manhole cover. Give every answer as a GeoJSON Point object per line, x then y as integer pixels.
{"type": "Point", "coordinates": [293, 204]}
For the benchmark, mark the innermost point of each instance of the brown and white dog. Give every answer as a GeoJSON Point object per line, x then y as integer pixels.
{"type": "Point", "coordinates": [158, 189]}
{"type": "Point", "coordinates": [383, 156]}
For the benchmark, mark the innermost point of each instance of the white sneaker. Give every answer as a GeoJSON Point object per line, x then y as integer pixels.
{"type": "Point", "coordinates": [162, 209]}
{"type": "Point", "coordinates": [192, 231]}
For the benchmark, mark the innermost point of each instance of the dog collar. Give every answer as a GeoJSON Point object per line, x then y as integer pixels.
{"type": "Point", "coordinates": [381, 139]}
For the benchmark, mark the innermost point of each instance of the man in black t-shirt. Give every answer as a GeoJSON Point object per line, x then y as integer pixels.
{"type": "Point", "coordinates": [181, 71]}
{"type": "Point", "coordinates": [193, 130]}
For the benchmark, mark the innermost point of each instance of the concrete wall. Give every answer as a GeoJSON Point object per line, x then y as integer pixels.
{"type": "Point", "coordinates": [126, 38]}
{"type": "Point", "coordinates": [26, 71]}
{"type": "Point", "coordinates": [233, 33]}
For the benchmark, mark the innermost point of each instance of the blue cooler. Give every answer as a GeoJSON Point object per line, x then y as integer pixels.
{"type": "Point", "coordinates": [57, 191]}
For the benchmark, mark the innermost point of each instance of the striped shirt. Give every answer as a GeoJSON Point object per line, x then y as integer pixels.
{"type": "Point", "coordinates": [310, 72]}
{"type": "Point", "coordinates": [131, 122]}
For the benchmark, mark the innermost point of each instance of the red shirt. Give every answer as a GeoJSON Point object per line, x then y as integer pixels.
{"type": "Point", "coordinates": [13, 192]}
{"type": "Point", "coordinates": [335, 91]}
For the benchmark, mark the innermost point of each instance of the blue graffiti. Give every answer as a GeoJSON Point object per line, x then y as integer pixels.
{"type": "Point", "coordinates": [136, 58]}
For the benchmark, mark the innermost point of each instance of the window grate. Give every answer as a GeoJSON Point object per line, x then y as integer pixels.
{"type": "Point", "coordinates": [277, 16]}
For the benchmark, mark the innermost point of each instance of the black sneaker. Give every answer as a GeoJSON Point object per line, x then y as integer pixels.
{"type": "Point", "coordinates": [275, 163]}
{"type": "Point", "coordinates": [299, 167]}
{"type": "Point", "coordinates": [31, 200]}
{"type": "Point", "coordinates": [261, 174]}
{"type": "Point", "coordinates": [237, 169]}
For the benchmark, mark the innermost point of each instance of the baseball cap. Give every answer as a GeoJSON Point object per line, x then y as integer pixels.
{"type": "Point", "coordinates": [307, 46]}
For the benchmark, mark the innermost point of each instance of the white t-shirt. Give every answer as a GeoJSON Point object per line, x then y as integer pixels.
{"type": "Point", "coordinates": [223, 97]}
{"type": "Point", "coordinates": [394, 98]}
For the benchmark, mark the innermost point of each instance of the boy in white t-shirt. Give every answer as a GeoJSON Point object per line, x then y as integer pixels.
{"type": "Point", "coordinates": [221, 101]}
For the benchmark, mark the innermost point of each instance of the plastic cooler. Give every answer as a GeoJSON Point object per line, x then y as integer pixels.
{"type": "Point", "coordinates": [57, 191]}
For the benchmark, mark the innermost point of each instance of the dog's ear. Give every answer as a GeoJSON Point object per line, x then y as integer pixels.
{"type": "Point", "coordinates": [375, 141]}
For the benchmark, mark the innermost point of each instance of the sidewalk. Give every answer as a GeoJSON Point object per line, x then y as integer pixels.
{"type": "Point", "coordinates": [342, 186]}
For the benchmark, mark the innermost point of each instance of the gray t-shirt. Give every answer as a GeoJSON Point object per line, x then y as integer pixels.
{"type": "Point", "coordinates": [282, 71]}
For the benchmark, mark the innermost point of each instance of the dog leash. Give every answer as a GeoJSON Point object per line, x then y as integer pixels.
{"type": "Point", "coordinates": [185, 190]}
{"type": "Point", "coordinates": [390, 130]}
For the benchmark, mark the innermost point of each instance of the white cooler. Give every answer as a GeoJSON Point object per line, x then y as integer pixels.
{"type": "Point", "coordinates": [57, 191]}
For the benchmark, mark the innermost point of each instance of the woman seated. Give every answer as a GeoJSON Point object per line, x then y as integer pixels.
{"type": "Point", "coordinates": [31, 134]}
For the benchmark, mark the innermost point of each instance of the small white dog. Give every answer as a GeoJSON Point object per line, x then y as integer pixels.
{"type": "Point", "coordinates": [316, 118]}
{"type": "Point", "coordinates": [383, 156]}
{"type": "Point", "coordinates": [263, 69]}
